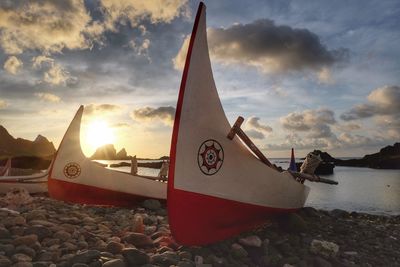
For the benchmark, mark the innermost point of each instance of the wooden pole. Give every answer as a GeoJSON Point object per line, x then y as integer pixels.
{"type": "Point", "coordinates": [236, 130]}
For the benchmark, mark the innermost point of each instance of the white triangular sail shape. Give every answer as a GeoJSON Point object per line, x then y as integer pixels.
{"type": "Point", "coordinates": [216, 186]}
{"type": "Point", "coordinates": [75, 178]}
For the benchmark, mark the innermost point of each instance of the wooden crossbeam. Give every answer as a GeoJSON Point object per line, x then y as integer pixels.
{"type": "Point", "coordinates": [236, 130]}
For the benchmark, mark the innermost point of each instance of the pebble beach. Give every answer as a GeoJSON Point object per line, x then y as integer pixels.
{"type": "Point", "coordinates": [39, 231]}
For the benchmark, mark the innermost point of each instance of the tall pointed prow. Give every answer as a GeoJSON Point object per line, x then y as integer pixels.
{"type": "Point", "coordinates": [216, 186]}
{"type": "Point", "coordinates": [75, 178]}
{"type": "Point", "coordinates": [292, 164]}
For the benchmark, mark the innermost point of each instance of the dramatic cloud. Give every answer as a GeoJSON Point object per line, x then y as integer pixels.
{"type": "Point", "coordinates": [269, 47]}
{"type": "Point", "coordinates": [47, 26]}
{"type": "Point", "coordinates": [381, 101]}
{"type": "Point", "coordinates": [132, 11]}
{"type": "Point", "coordinates": [296, 141]}
{"type": "Point", "coordinates": [57, 75]}
{"type": "Point", "coordinates": [93, 109]}
{"type": "Point", "coordinates": [165, 114]}
{"type": "Point", "coordinates": [38, 61]}
{"type": "Point", "coordinates": [12, 65]}
{"type": "Point", "coordinates": [255, 129]}
{"type": "Point", "coordinates": [48, 97]}
{"type": "Point", "coordinates": [348, 127]}
{"type": "Point", "coordinates": [308, 120]}
{"type": "Point", "coordinates": [3, 104]}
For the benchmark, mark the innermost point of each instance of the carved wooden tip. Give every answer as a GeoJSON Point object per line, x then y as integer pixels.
{"type": "Point", "coordinates": [235, 128]}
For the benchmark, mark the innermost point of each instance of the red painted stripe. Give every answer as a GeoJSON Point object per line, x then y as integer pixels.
{"type": "Point", "coordinates": [201, 219]}
{"type": "Point", "coordinates": [84, 194]}
{"type": "Point", "coordinates": [175, 131]}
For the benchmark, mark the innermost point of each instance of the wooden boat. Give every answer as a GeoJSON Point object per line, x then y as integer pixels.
{"type": "Point", "coordinates": [216, 186]}
{"type": "Point", "coordinates": [75, 178]}
{"type": "Point", "coordinates": [33, 183]}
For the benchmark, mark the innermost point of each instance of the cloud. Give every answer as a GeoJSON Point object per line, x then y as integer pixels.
{"type": "Point", "coordinates": [57, 75]}
{"type": "Point", "coordinates": [48, 97]}
{"type": "Point", "coordinates": [255, 134]}
{"type": "Point", "coordinates": [381, 101]}
{"type": "Point", "coordinates": [48, 26]}
{"type": "Point", "coordinates": [39, 60]}
{"type": "Point", "coordinates": [255, 129]}
{"type": "Point", "coordinates": [132, 11]}
{"type": "Point", "coordinates": [12, 65]}
{"type": "Point", "coordinates": [298, 142]}
{"type": "Point", "coordinates": [120, 125]}
{"type": "Point", "coordinates": [269, 47]}
{"type": "Point", "coordinates": [308, 119]}
{"type": "Point", "coordinates": [165, 114]}
{"type": "Point", "coordinates": [93, 109]}
{"type": "Point", "coordinates": [348, 127]}
{"type": "Point", "coordinates": [3, 104]}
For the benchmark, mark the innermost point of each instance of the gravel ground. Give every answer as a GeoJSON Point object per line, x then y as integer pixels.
{"type": "Point", "coordinates": [39, 231]}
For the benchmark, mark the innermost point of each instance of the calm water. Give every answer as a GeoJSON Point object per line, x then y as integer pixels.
{"type": "Point", "coordinates": [360, 189]}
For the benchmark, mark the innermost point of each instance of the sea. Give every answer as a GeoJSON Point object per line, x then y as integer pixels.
{"type": "Point", "coordinates": [373, 191]}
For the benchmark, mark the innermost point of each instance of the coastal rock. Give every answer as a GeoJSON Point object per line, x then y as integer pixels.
{"type": "Point", "coordinates": [151, 204]}
{"type": "Point", "coordinates": [25, 240]}
{"type": "Point", "coordinates": [17, 257]}
{"type": "Point", "coordinates": [250, 241]}
{"type": "Point", "coordinates": [238, 251]}
{"type": "Point", "coordinates": [114, 247]}
{"type": "Point", "coordinates": [4, 233]}
{"type": "Point", "coordinates": [165, 259]}
{"type": "Point", "coordinates": [324, 248]}
{"type": "Point", "coordinates": [135, 257]}
{"type": "Point", "coordinates": [292, 223]}
{"type": "Point", "coordinates": [5, 262]}
{"type": "Point", "coordinates": [86, 256]}
{"type": "Point", "coordinates": [114, 263]}
{"type": "Point", "coordinates": [138, 240]}
{"type": "Point", "coordinates": [40, 231]}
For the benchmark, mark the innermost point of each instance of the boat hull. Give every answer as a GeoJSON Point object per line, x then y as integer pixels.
{"type": "Point", "coordinates": [32, 186]}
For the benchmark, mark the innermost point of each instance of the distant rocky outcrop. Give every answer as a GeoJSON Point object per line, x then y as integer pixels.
{"type": "Point", "coordinates": [387, 158]}
{"type": "Point", "coordinates": [12, 147]}
{"type": "Point", "coordinates": [108, 152]}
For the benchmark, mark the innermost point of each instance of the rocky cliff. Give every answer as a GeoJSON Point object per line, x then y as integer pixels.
{"type": "Point", "coordinates": [108, 152]}
{"type": "Point", "coordinates": [12, 147]}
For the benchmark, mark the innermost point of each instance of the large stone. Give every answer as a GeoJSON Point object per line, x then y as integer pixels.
{"type": "Point", "coordinates": [238, 251]}
{"type": "Point", "coordinates": [165, 259]}
{"type": "Point", "coordinates": [17, 257]}
{"type": "Point", "coordinates": [151, 204]}
{"type": "Point", "coordinates": [4, 261]}
{"type": "Point", "coordinates": [27, 240]}
{"type": "Point", "coordinates": [62, 235]}
{"type": "Point", "coordinates": [86, 256]}
{"type": "Point", "coordinates": [13, 220]}
{"type": "Point", "coordinates": [114, 247]}
{"type": "Point", "coordinates": [114, 263]}
{"type": "Point", "coordinates": [324, 248]}
{"type": "Point", "coordinates": [138, 240]}
{"type": "Point", "coordinates": [39, 230]}
{"type": "Point", "coordinates": [293, 223]}
{"type": "Point", "coordinates": [26, 250]}
{"type": "Point", "coordinates": [251, 241]}
{"type": "Point", "coordinates": [134, 256]}
{"type": "Point", "coordinates": [4, 233]}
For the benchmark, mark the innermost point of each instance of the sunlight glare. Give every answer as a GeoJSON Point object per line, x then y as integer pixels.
{"type": "Point", "coordinates": [99, 133]}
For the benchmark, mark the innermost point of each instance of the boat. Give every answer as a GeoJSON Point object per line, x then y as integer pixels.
{"type": "Point", "coordinates": [75, 178]}
{"type": "Point", "coordinates": [11, 178]}
{"type": "Point", "coordinates": [217, 186]}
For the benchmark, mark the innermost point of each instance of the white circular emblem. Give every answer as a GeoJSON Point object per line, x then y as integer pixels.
{"type": "Point", "coordinates": [72, 170]}
{"type": "Point", "coordinates": [210, 157]}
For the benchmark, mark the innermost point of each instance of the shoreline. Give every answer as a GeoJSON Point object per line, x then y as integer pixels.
{"type": "Point", "coordinates": [47, 232]}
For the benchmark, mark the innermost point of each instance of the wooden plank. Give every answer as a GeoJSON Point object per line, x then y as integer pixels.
{"type": "Point", "coordinates": [236, 130]}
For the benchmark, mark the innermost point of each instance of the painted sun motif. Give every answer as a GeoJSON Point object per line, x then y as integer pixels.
{"type": "Point", "coordinates": [210, 157]}
{"type": "Point", "coordinates": [72, 170]}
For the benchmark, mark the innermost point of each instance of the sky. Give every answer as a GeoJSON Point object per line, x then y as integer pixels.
{"type": "Point", "coordinates": [304, 74]}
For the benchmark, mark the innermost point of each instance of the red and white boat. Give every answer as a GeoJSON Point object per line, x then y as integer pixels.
{"type": "Point", "coordinates": [75, 178]}
{"type": "Point", "coordinates": [216, 186]}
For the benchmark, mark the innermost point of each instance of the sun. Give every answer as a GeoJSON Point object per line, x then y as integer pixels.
{"type": "Point", "coordinates": [99, 133]}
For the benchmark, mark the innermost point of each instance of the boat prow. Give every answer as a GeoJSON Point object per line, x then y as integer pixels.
{"type": "Point", "coordinates": [75, 178]}
{"type": "Point", "coordinates": [216, 187]}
